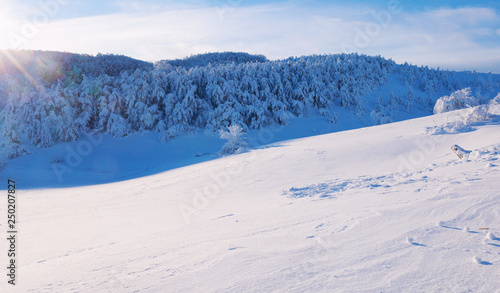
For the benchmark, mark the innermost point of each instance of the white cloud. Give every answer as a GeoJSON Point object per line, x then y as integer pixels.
{"type": "Point", "coordinates": [470, 15]}
{"type": "Point", "coordinates": [444, 37]}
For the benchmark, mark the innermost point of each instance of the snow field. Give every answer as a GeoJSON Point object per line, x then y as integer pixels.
{"type": "Point", "coordinates": [351, 211]}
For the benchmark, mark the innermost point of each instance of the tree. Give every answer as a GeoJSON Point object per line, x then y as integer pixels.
{"type": "Point", "coordinates": [457, 100]}
{"type": "Point", "coordinates": [410, 97]}
{"type": "Point", "coordinates": [69, 95]}
{"type": "Point", "coordinates": [235, 141]}
{"type": "Point", "coordinates": [393, 104]}
{"type": "Point", "coordinates": [2, 162]}
{"type": "Point", "coordinates": [380, 103]}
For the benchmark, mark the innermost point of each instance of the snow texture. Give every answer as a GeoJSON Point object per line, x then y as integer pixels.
{"type": "Point", "coordinates": [224, 225]}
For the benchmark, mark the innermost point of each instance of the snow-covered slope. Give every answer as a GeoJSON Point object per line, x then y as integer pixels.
{"type": "Point", "coordinates": [367, 210]}
{"type": "Point", "coordinates": [104, 159]}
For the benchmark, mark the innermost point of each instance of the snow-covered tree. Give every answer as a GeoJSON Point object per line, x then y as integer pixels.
{"type": "Point", "coordinates": [380, 117]}
{"type": "Point", "coordinates": [380, 103]}
{"type": "Point", "coordinates": [478, 114]}
{"type": "Point", "coordinates": [69, 95]}
{"type": "Point", "coordinates": [457, 100]}
{"type": "Point", "coordinates": [410, 97]}
{"type": "Point", "coordinates": [235, 140]}
{"type": "Point", "coordinates": [393, 104]}
{"type": "Point", "coordinates": [495, 100]}
{"type": "Point", "coordinates": [3, 162]}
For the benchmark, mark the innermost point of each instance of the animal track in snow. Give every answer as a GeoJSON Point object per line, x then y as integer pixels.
{"type": "Point", "coordinates": [333, 187]}
{"type": "Point", "coordinates": [330, 188]}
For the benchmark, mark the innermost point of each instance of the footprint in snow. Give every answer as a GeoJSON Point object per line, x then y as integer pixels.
{"type": "Point", "coordinates": [235, 247]}
{"type": "Point", "coordinates": [480, 261]}
{"type": "Point", "coordinates": [319, 226]}
{"type": "Point", "coordinates": [409, 240]}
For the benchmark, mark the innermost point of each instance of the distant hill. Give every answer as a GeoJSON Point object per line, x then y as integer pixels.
{"type": "Point", "coordinates": [201, 60]}
{"type": "Point", "coordinates": [50, 66]}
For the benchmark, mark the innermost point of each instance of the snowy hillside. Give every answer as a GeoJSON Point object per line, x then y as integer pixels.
{"type": "Point", "coordinates": [47, 98]}
{"type": "Point", "coordinates": [384, 208]}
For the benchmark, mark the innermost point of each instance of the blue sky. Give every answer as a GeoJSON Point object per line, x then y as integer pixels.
{"type": "Point", "coordinates": [448, 34]}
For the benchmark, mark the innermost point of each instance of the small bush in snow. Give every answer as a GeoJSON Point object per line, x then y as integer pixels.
{"type": "Point", "coordinates": [331, 116]}
{"type": "Point", "coordinates": [463, 123]}
{"type": "Point", "coordinates": [458, 100]}
{"type": "Point", "coordinates": [15, 150]}
{"type": "Point", "coordinates": [235, 141]}
{"type": "Point", "coordinates": [478, 114]}
{"type": "Point", "coordinates": [495, 100]}
{"type": "Point", "coordinates": [379, 118]}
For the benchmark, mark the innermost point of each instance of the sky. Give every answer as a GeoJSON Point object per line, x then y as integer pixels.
{"type": "Point", "coordinates": [457, 35]}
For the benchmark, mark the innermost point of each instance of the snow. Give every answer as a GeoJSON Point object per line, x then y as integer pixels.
{"type": "Point", "coordinates": [347, 211]}
{"type": "Point", "coordinates": [113, 159]}
{"type": "Point", "coordinates": [457, 100]}
{"type": "Point", "coordinates": [491, 236]}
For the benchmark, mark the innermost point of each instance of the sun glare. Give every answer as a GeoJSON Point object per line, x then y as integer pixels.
{"type": "Point", "coordinates": [8, 26]}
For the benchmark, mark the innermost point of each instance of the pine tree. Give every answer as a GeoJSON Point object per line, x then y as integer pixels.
{"type": "Point", "coordinates": [410, 97]}
{"type": "Point", "coordinates": [235, 140]}
{"type": "Point", "coordinates": [380, 103]}
{"type": "Point", "coordinates": [393, 104]}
